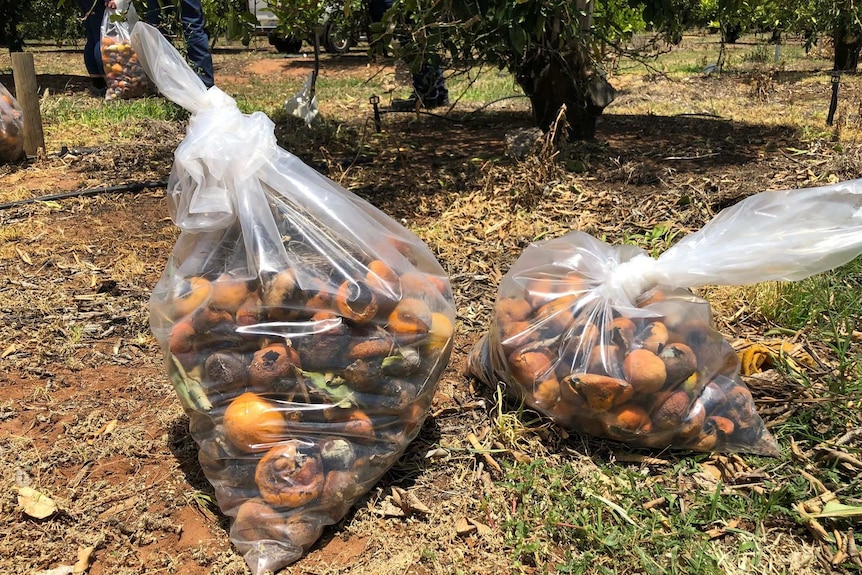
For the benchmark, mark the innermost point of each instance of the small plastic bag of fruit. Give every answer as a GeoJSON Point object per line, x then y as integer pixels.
{"type": "Point", "coordinates": [304, 330]}
{"type": "Point", "coordinates": [611, 342]}
{"type": "Point", "coordinates": [11, 128]}
{"type": "Point", "coordinates": [124, 76]}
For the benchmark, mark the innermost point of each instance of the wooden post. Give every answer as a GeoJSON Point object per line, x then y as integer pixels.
{"type": "Point", "coordinates": [27, 95]}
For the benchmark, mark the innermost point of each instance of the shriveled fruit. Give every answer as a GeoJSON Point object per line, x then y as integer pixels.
{"type": "Point", "coordinates": [191, 294]}
{"type": "Point", "coordinates": [627, 419]}
{"type": "Point", "coordinates": [290, 475]}
{"type": "Point", "coordinates": [670, 414]}
{"type": "Point", "coordinates": [601, 392]}
{"type": "Point", "coordinates": [357, 301]}
{"type": "Point", "coordinates": [679, 361]}
{"type": "Point", "coordinates": [644, 370]}
{"type": "Point", "coordinates": [256, 522]}
{"type": "Point", "coordinates": [272, 365]}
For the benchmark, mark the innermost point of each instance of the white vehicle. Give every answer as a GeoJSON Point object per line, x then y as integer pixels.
{"type": "Point", "coordinates": [332, 37]}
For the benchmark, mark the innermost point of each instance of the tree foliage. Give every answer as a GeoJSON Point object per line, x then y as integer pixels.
{"type": "Point", "coordinates": [302, 18]}
{"type": "Point", "coordinates": [554, 48]}
{"type": "Point", "coordinates": [840, 20]}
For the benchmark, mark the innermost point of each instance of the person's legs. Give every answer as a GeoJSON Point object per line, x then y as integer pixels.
{"type": "Point", "coordinates": [197, 41]}
{"type": "Point", "coordinates": [429, 84]}
{"type": "Point", "coordinates": [377, 8]}
{"type": "Point", "coordinates": [153, 15]}
{"type": "Point", "coordinates": [93, 11]}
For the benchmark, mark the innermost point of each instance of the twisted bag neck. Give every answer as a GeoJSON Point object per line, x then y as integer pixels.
{"type": "Point", "coordinates": [223, 148]}
{"type": "Point", "coordinates": [218, 159]}
{"type": "Point", "coordinates": [626, 281]}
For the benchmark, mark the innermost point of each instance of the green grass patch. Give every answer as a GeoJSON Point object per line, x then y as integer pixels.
{"type": "Point", "coordinates": [483, 85]}
{"type": "Point", "coordinates": [565, 520]}
{"type": "Point", "coordinates": [81, 121]}
{"type": "Point", "coordinates": [827, 307]}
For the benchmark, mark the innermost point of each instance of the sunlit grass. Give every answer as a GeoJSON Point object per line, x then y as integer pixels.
{"type": "Point", "coordinates": [82, 121]}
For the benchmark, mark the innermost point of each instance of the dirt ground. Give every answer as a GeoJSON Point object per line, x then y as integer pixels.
{"type": "Point", "coordinates": [89, 416]}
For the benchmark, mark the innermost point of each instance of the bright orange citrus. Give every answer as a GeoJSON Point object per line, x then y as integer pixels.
{"type": "Point", "coordinates": [252, 423]}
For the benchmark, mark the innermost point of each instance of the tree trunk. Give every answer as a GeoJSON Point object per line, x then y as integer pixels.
{"type": "Point", "coordinates": [847, 48]}
{"type": "Point", "coordinates": [553, 79]}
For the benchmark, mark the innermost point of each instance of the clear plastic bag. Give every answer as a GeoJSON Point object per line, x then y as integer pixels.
{"type": "Point", "coordinates": [124, 76]}
{"type": "Point", "coordinates": [610, 341]}
{"type": "Point", "coordinates": [11, 128]}
{"type": "Point", "coordinates": [303, 104]}
{"type": "Point", "coordinates": [303, 329]}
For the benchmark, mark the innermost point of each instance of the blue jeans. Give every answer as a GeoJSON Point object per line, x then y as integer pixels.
{"type": "Point", "coordinates": [197, 41]}
{"type": "Point", "coordinates": [94, 11]}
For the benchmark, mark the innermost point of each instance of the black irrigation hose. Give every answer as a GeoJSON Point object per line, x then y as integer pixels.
{"type": "Point", "coordinates": [133, 187]}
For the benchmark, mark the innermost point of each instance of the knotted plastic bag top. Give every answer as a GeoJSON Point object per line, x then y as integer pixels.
{"type": "Point", "coordinates": [611, 341]}
{"type": "Point", "coordinates": [124, 76]}
{"type": "Point", "coordinates": [303, 329]}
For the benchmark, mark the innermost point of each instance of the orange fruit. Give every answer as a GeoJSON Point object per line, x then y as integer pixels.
{"type": "Point", "coordinates": [626, 419]}
{"type": "Point", "coordinates": [252, 423]}
{"type": "Point", "coordinates": [512, 309]}
{"type": "Point", "coordinates": [380, 276]}
{"type": "Point", "coordinates": [410, 317]}
{"type": "Point", "coordinates": [191, 294]}
{"type": "Point", "coordinates": [441, 332]}
{"type": "Point", "coordinates": [653, 336]}
{"type": "Point", "coordinates": [644, 370]}
{"type": "Point", "coordinates": [416, 285]}
{"type": "Point", "coordinates": [529, 367]}
{"type": "Point", "coordinates": [229, 292]}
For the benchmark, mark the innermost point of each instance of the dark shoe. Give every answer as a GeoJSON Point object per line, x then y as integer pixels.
{"type": "Point", "coordinates": [413, 102]}
{"type": "Point", "coordinates": [408, 104]}
{"type": "Point", "coordinates": [436, 103]}
{"type": "Point", "coordinates": [97, 92]}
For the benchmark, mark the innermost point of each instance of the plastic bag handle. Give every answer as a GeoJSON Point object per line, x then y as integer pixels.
{"type": "Point", "coordinates": [216, 166]}
{"type": "Point", "coordinates": [784, 235]}
{"type": "Point", "coordinates": [169, 71]}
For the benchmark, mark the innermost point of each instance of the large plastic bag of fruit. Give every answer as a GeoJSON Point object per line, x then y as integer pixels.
{"type": "Point", "coordinates": [611, 342]}
{"type": "Point", "coordinates": [124, 76]}
{"type": "Point", "coordinates": [304, 330]}
{"type": "Point", "coordinates": [11, 128]}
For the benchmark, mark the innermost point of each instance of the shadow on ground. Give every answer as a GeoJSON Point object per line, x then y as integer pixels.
{"type": "Point", "coordinates": [54, 83]}
{"type": "Point", "coordinates": [437, 154]}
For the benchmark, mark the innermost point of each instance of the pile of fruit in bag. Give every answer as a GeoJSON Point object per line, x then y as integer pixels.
{"type": "Point", "coordinates": [303, 329]}
{"type": "Point", "coordinates": [611, 342]}
{"type": "Point", "coordinates": [124, 76]}
{"type": "Point", "coordinates": [11, 128]}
